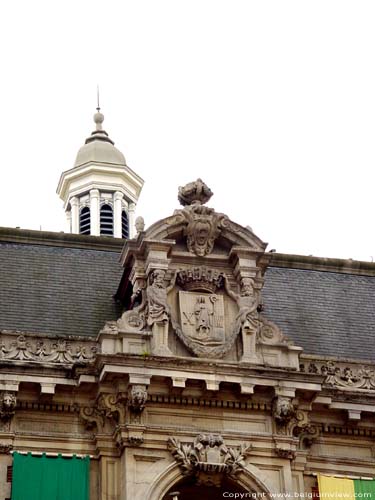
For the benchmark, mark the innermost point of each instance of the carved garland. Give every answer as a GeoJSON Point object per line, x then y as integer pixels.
{"type": "Point", "coordinates": [338, 375]}
{"type": "Point", "coordinates": [59, 351]}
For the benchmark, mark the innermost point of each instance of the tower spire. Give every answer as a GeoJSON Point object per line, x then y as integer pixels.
{"type": "Point", "coordinates": [97, 99]}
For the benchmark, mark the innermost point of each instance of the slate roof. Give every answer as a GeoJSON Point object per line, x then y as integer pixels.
{"type": "Point", "coordinates": [57, 290]}
{"type": "Point", "coordinates": [326, 313]}
{"type": "Point", "coordinates": [60, 284]}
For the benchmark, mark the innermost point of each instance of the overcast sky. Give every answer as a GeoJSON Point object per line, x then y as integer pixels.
{"type": "Point", "coordinates": [271, 103]}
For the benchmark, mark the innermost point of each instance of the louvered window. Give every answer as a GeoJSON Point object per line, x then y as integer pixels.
{"type": "Point", "coordinates": [106, 220]}
{"type": "Point", "coordinates": [84, 221]}
{"type": "Point", "coordinates": [124, 224]}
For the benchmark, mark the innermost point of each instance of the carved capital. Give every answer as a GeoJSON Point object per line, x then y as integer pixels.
{"type": "Point", "coordinates": [94, 193]}
{"type": "Point", "coordinates": [118, 196]}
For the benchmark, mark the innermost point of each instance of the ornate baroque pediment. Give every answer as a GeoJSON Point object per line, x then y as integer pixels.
{"type": "Point", "coordinates": [196, 279]}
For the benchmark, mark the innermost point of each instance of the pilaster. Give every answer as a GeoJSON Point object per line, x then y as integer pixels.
{"type": "Point", "coordinates": [117, 223]}
{"type": "Point", "coordinates": [74, 214]}
{"type": "Point", "coordinates": [131, 214]}
{"type": "Point", "coordinates": [94, 212]}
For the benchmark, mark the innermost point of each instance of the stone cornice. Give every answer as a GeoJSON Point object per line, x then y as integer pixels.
{"type": "Point", "coordinates": [66, 240]}
{"type": "Point", "coordinates": [346, 266]}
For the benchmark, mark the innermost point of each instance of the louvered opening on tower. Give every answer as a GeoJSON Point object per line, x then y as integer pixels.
{"type": "Point", "coordinates": [106, 220]}
{"type": "Point", "coordinates": [124, 225]}
{"type": "Point", "coordinates": [84, 221]}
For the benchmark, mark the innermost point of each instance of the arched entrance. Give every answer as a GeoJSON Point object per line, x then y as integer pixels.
{"type": "Point", "coordinates": [188, 490]}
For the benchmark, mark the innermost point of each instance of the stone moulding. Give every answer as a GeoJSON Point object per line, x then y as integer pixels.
{"type": "Point", "coordinates": [25, 347]}
{"type": "Point", "coordinates": [342, 375]}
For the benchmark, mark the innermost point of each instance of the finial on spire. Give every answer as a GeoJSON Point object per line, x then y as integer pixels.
{"type": "Point", "coordinates": [97, 98]}
{"type": "Point", "coordinates": [98, 117]}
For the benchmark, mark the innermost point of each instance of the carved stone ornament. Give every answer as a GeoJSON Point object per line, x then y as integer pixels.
{"type": "Point", "coordinates": [5, 448]}
{"type": "Point", "coordinates": [200, 278]}
{"type": "Point", "coordinates": [92, 417]}
{"type": "Point", "coordinates": [283, 410]}
{"type": "Point", "coordinates": [285, 453]}
{"type": "Point", "coordinates": [343, 375]}
{"type": "Point", "coordinates": [139, 224]}
{"type": "Point", "coordinates": [107, 411]}
{"type": "Point", "coordinates": [135, 318]}
{"type": "Point", "coordinates": [208, 458]}
{"type": "Point", "coordinates": [203, 224]}
{"type": "Point", "coordinates": [269, 333]}
{"type": "Point", "coordinates": [25, 348]}
{"type": "Point", "coordinates": [137, 398]}
{"type": "Point", "coordinates": [194, 192]}
{"type": "Point", "coordinates": [8, 403]}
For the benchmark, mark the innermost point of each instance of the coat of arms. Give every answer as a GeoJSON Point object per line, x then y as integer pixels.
{"type": "Point", "coordinates": [202, 326]}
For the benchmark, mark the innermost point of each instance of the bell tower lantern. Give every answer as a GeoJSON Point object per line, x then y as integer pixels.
{"type": "Point", "coordinates": [100, 192]}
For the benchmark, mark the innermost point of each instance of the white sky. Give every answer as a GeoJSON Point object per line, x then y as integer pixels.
{"type": "Point", "coordinates": [271, 103]}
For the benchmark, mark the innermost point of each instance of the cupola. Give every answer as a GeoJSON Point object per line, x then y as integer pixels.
{"type": "Point", "coordinates": [100, 192]}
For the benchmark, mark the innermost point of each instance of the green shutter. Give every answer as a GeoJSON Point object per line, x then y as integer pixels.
{"type": "Point", "coordinates": [47, 478]}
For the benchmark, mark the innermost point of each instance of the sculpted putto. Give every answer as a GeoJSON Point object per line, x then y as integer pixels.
{"type": "Point", "coordinates": [247, 318]}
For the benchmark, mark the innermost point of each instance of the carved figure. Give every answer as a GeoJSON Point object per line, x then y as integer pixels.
{"type": "Point", "coordinates": [8, 403]}
{"type": "Point", "coordinates": [203, 317]}
{"type": "Point", "coordinates": [157, 292]}
{"type": "Point", "coordinates": [247, 319]}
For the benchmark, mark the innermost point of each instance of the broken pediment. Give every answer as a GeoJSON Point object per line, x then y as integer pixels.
{"type": "Point", "coordinates": [185, 296]}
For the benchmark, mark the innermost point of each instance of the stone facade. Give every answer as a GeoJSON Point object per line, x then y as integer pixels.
{"type": "Point", "coordinates": [192, 388]}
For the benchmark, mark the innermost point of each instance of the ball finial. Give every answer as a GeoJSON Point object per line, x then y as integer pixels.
{"type": "Point", "coordinates": [98, 119]}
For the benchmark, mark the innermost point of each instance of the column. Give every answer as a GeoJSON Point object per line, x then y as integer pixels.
{"type": "Point", "coordinates": [69, 220]}
{"type": "Point", "coordinates": [117, 222]}
{"type": "Point", "coordinates": [75, 214]}
{"type": "Point", "coordinates": [94, 213]}
{"type": "Point", "coordinates": [131, 219]}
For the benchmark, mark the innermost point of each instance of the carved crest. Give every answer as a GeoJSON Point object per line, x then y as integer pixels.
{"type": "Point", "coordinates": [202, 325]}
